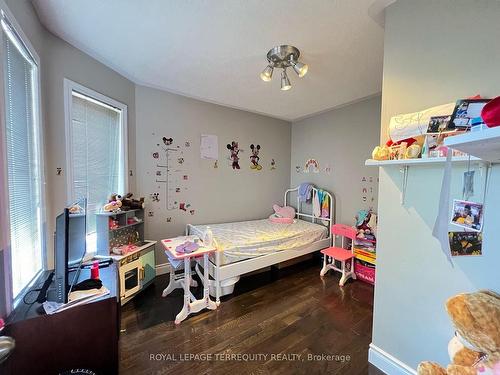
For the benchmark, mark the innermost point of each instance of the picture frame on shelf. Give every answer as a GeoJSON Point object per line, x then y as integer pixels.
{"type": "Point", "coordinates": [467, 112]}
{"type": "Point", "coordinates": [439, 124]}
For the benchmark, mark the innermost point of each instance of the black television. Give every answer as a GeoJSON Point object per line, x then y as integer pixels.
{"type": "Point", "coordinates": [70, 247]}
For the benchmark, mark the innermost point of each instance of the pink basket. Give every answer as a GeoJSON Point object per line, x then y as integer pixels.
{"type": "Point", "coordinates": [364, 273]}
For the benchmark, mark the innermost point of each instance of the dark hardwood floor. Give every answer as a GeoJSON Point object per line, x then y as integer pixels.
{"type": "Point", "coordinates": [273, 323]}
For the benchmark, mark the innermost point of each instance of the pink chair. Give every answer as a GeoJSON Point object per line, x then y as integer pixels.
{"type": "Point", "coordinates": [341, 254]}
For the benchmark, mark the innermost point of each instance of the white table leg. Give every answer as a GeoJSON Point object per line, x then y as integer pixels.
{"type": "Point", "coordinates": [217, 278]}
{"type": "Point", "coordinates": [173, 284]}
{"type": "Point", "coordinates": [206, 291]}
{"type": "Point", "coordinates": [187, 296]}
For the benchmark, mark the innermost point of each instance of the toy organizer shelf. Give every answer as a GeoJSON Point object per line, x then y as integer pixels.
{"type": "Point", "coordinates": [124, 234]}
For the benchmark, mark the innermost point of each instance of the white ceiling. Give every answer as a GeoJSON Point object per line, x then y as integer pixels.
{"type": "Point", "coordinates": [214, 50]}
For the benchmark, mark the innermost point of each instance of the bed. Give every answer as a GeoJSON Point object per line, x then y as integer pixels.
{"type": "Point", "coordinates": [248, 246]}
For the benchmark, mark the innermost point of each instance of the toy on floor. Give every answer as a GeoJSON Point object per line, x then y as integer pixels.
{"type": "Point", "coordinates": [475, 349]}
{"type": "Point", "coordinates": [341, 254]}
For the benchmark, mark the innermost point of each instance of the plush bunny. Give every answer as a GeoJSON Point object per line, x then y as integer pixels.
{"type": "Point", "coordinates": [284, 215]}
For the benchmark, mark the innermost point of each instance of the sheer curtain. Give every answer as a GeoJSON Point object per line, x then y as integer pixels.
{"type": "Point", "coordinates": [24, 172]}
{"type": "Point", "coordinates": [97, 156]}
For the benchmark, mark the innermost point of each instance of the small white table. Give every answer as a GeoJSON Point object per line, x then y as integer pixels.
{"type": "Point", "coordinates": [184, 280]}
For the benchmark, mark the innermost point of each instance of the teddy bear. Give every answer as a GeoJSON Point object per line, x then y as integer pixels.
{"type": "Point", "coordinates": [129, 203]}
{"type": "Point", "coordinates": [254, 158]}
{"type": "Point", "coordinates": [114, 203]}
{"type": "Point", "coordinates": [475, 348]}
{"type": "Point", "coordinates": [233, 147]}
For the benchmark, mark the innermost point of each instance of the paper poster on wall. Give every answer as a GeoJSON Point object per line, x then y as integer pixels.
{"type": "Point", "coordinates": [466, 243]}
{"type": "Point", "coordinates": [172, 164]}
{"type": "Point", "coordinates": [209, 147]}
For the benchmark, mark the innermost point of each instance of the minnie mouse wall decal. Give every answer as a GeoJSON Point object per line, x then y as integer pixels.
{"type": "Point", "coordinates": [233, 147]}
{"type": "Point", "coordinates": [254, 158]}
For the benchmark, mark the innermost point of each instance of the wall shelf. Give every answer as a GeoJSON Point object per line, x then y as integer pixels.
{"type": "Point", "coordinates": [407, 162]}
{"type": "Point", "coordinates": [484, 144]}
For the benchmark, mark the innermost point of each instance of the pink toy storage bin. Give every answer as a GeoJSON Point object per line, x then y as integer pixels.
{"type": "Point", "coordinates": [364, 273]}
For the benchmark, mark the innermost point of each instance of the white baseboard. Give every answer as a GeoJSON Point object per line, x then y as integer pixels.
{"type": "Point", "coordinates": [387, 363]}
{"type": "Point", "coordinates": [162, 269]}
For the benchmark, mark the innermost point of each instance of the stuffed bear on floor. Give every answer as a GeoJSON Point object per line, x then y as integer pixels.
{"type": "Point", "coordinates": [475, 349]}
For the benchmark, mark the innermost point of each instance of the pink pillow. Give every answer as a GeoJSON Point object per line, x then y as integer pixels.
{"type": "Point", "coordinates": [284, 212]}
{"type": "Point", "coordinates": [283, 220]}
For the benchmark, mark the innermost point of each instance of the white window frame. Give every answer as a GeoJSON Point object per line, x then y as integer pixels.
{"type": "Point", "coordinates": [6, 282]}
{"type": "Point", "coordinates": [69, 88]}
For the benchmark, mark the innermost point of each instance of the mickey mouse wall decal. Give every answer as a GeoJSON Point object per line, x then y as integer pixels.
{"type": "Point", "coordinates": [233, 147]}
{"type": "Point", "coordinates": [254, 158]}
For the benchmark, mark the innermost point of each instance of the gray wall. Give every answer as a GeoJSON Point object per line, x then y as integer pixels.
{"type": "Point", "coordinates": [342, 139]}
{"type": "Point", "coordinates": [216, 194]}
{"type": "Point", "coordinates": [60, 60]}
{"type": "Point", "coordinates": [436, 51]}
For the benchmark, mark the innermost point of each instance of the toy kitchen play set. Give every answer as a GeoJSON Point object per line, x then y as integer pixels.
{"type": "Point", "coordinates": [120, 236]}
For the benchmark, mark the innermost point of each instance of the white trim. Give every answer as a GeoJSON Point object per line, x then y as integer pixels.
{"type": "Point", "coordinates": [387, 363]}
{"type": "Point", "coordinates": [69, 88]}
{"type": "Point", "coordinates": [11, 23]}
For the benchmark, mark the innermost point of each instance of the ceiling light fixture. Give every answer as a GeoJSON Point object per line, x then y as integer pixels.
{"type": "Point", "coordinates": [285, 82]}
{"type": "Point", "coordinates": [267, 73]}
{"type": "Point", "coordinates": [283, 57]}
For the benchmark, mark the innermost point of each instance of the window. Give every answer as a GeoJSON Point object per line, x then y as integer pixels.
{"type": "Point", "coordinates": [96, 146]}
{"type": "Point", "coordinates": [21, 139]}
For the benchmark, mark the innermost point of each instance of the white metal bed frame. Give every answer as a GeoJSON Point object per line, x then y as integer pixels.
{"type": "Point", "coordinates": [220, 272]}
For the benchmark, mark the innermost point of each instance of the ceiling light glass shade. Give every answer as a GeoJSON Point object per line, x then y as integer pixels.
{"type": "Point", "coordinates": [300, 69]}
{"type": "Point", "coordinates": [267, 74]}
{"type": "Point", "coordinates": [285, 82]}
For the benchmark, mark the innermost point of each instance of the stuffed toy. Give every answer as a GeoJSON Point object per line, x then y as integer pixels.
{"type": "Point", "coordinates": [114, 203]}
{"type": "Point", "coordinates": [284, 215]}
{"type": "Point", "coordinates": [254, 158]}
{"type": "Point", "coordinates": [475, 349]}
{"type": "Point", "coordinates": [391, 150]}
{"type": "Point", "coordinates": [381, 153]}
{"type": "Point", "coordinates": [129, 203]}
{"type": "Point", "coordinates": [364, 224]}
{"type": "Point", "coordinates": [233, 147]}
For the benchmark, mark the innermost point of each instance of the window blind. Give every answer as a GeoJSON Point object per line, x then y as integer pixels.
{"type": "Point", "coordinates": [23, 160]}
{"type": "Point", "coordinates": [97, 154]}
